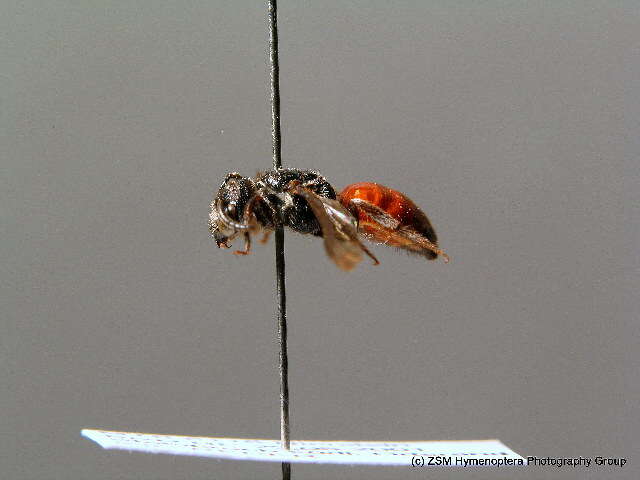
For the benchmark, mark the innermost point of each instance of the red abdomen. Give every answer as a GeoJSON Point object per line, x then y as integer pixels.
{"type": "Point", "coordinates": [398, 206]}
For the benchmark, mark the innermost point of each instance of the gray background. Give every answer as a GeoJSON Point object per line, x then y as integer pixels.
{"type": "Point", "coordinates": [515, 126]}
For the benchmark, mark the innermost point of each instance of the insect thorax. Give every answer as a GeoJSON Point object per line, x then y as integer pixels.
{"type": "Point", "coordinates": [293, 210]}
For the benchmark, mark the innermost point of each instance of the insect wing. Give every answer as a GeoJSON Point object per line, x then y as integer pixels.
{"type": "Point", "coordinates": [339, 229]}
{"type": "Point", "coordinates": [417, 237]}
{"type": "Point", "coordinates": [377, 214]}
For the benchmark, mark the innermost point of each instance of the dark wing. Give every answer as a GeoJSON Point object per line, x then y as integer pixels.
{"type": "Point", "coordinates": [376, 213]}
{"type": "Point", "coordinates": [418, 238]}
{"type": "Point", "coordinates": [339, 229]}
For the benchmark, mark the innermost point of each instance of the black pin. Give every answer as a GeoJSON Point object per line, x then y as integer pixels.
{"type": "Point", "coordinates": [281, 294]}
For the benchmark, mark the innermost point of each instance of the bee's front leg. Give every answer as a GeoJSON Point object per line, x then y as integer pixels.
{"type": "Point", "coordinates": [265, 236]}
{"type": "Point", "coordinates": [247, 245]}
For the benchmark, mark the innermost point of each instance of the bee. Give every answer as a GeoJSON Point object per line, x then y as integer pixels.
{"type": "Point", "coordinates": [305, 201]}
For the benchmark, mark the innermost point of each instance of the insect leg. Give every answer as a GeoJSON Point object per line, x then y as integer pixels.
{"type": "Point", "coordinates": [368, 252]}
{"type": "Point", "coordinates": [247, 245]}
{"type": "Point", "coordinates": [423, 242]}
{"type": "Point", "coordinates": [247, 214]}
{"type": "Point", "coordinates": [265, 236]}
